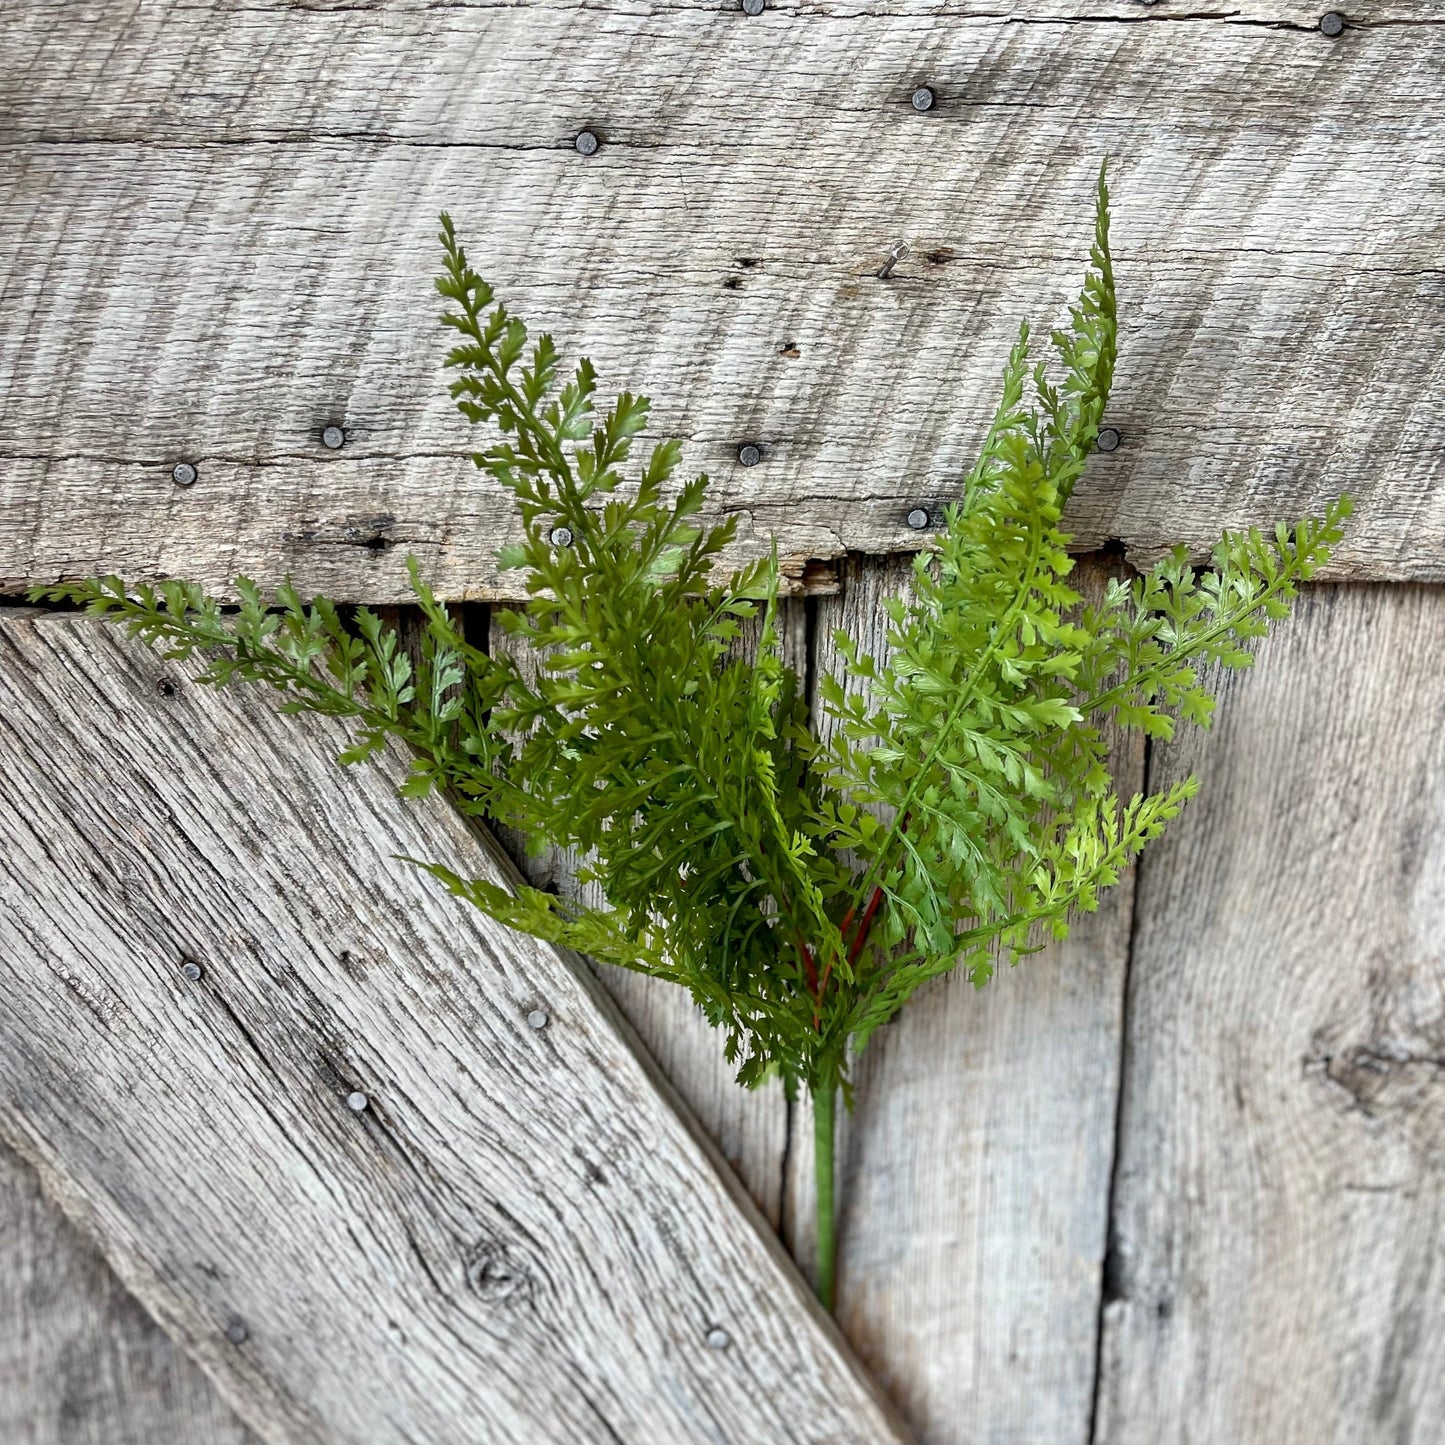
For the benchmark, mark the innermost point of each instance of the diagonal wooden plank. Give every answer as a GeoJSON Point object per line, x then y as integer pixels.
{"type": "Point", "coordinates": [80, 1362]}
{"type": "Point", "coordinates": [517, 1237]}
{"type": "Point", "coordinates": [216, 233]}
{"type": "Point", "coordinates": [975, 1165]}
{"type": "Point", "coordinates": [1278, 1267]}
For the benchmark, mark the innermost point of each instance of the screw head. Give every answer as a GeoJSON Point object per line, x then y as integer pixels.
{"type": "Point", "coordinates": [923, 99]}
{"type": "Point", "coordinates": [717, 1338]}
{"type": "Point", "coordinates": [332, 437]}
{"type": "Point", "coordinates": [918, 519]}
{"type": "Point", "coordinates": [1332, 23]}
{"type": "Point", "coordinates": [537, 1019]}
{"type": "Point", "coordinates": [586, 143]}
{"type": "Point", "coordinates": [356, 1101]}
{"type": "Point", "coordinates": [1108, 439]}
{"type": "Point", "coordinates": [192, 970]}
{"type": "Point", "coordinates": [184, 474]}
{"type": "Point", "coordinates": [237, 1333]}
{"type": "Point", "coordinates": [753, 7]}
{"type": "Point", "coordinates": [750, 454]}
{"type": "Point", "coordinates": [560, 536]}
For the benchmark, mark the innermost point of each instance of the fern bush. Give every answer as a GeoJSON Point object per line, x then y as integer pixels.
{"type": "Point", "coordinates": [961, 808]}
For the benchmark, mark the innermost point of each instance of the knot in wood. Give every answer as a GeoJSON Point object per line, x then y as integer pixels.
{"type": "Point", "coordinates": [493, 1275]}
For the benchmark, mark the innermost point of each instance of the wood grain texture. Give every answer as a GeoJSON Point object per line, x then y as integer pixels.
{"type": "Point", "coordinates": [216, 233]}
{"type": "Point", "coordinates": [518, 1238]}
{"type": "Point", "coordinates": [80, 1362]}
{"type": "Point", "coordinates": [1278, 1268]}
{"type": "Point", "coordinates": [749, 1126]}
{"type": "Point", "coordinates": [975, 1168]}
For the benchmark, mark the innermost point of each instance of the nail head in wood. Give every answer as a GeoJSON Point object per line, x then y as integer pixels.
{"type": "Point", "coordinates": [750, 454]}
{"type": "Point", "coordinates": [560, 536]}
{"type": "Point", "coordinates": [897, 252]}
{"type": "Point", "coordinates": [753, 7]}
{"type": "Point", "coordinates": [333, 438]}
{"type": "Point", "coordinates": [237, 1333]}
{"type": "Point", "coordinates": [184, 474]}
{"type": "Point", "coordinates": [923, 99]}
{"type": "Point", "coordinates": [586, 143]}
{"type": "Point", "coordinates": [356, 1101]}
{"type": "Point", "coordinates": [537, 1019]}
{"type": "Point", "coordinates": [191, 970]}
{"type": "Point", "coordinates": [1332, 23]}
{"type": "Point", "coordinates": [1108, 439]}
{"type": "Point", "coordinates": [918, 519]}
{"type": "Point", "coordinates": [718, 1338]}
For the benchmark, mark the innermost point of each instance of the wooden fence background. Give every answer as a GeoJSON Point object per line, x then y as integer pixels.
{"type": "Point", "coordinates": [1181, 1179]}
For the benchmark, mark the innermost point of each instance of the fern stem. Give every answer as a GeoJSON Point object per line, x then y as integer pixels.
{"type": "Point", "coordinates": [824, 1096]}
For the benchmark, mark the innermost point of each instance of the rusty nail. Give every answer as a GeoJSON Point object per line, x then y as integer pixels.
{"type": "Point", "coordinates": [750, 454]}
{"type": "Point", "coordinates": [356, 1101]}
{"type": "Point", "coordinates": [184, 474]}
{"type": "Point", "coordinates": [332, 437]}
{"type": "Point", "coordinates": [537, 1019]}
{"type": "Point", "coordinates": [1332, 23]}
{"type": "Point", "coordinates": [897, 252]}
{"type": "Point", "coordinates": [1108, 439]}
{"type": "Point", "coordinates": [586, 143]}
{"type": "Point", "coordinates": [923, 99]}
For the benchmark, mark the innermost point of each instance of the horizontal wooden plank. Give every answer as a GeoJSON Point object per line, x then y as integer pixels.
{"type": "Point", "coordinates": [514, 1237]}
{"type": "Point", "coordinates": [1279, 1226]}
{"type": "Point", "coordinates": [216, 236]}
{"type": "Point", "coordinates": [80, 1362]}
{"type": "Point", "coordinates": [183, 72]}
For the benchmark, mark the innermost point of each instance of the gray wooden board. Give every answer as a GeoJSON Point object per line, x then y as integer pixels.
{"type": "Point", "coordinates": [1279, 1262]}
{"type": "Point", "coordinates": [519, 1238]}
{"type": "Point", "coordinates": [80, 1362]}
{"type": "Point", "coordinates": [216, 235]}
{"type": "Point", "coordinates": [974, 1170]}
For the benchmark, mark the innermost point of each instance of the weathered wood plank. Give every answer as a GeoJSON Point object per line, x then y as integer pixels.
{"type": "Point", "coordinates": [216, 232]}
{"type": "Point", "coordinates": [517, 1238]}
{"type": "Point", "coordinates": [1279, 1224]}
{"type": "Point", "coordinates": [975, 1168]}
{"type": "Point", "coordinates": [80, 1362]}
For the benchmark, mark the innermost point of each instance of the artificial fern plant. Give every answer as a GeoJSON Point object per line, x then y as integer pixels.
{"type": "Point", "coordinates": [801, 889]}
